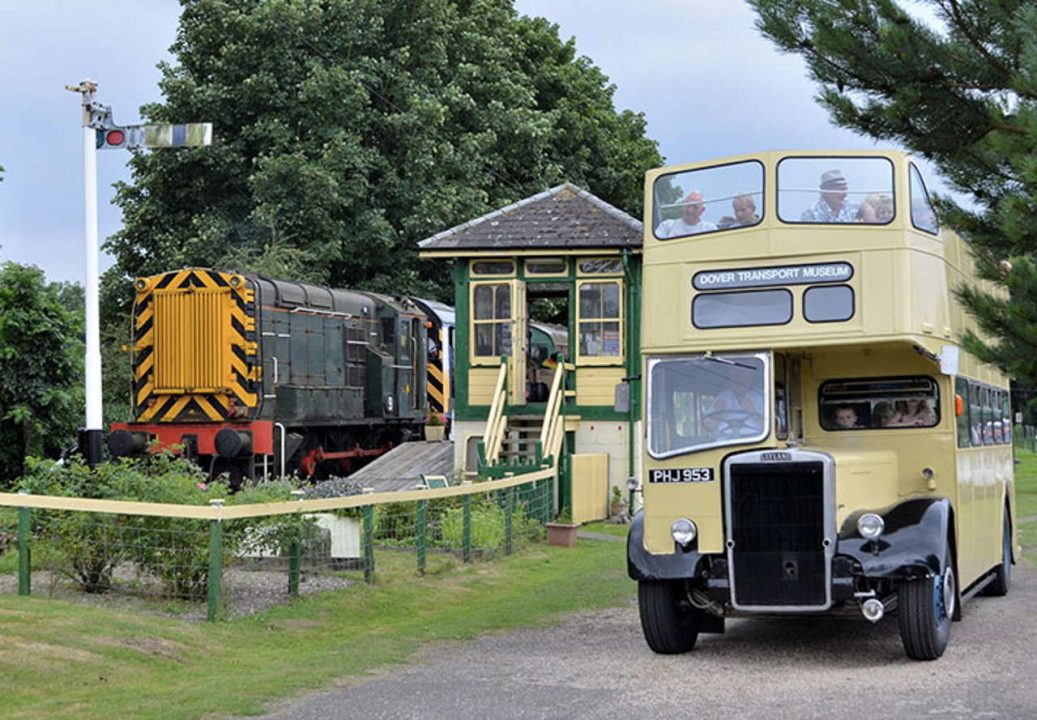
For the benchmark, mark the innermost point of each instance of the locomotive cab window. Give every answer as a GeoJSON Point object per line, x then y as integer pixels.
{"type": "Point", "coordinates": [879, 403]}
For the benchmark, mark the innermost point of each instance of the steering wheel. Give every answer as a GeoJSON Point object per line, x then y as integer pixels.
{"type": "Point", "coordinates": [735, 423]}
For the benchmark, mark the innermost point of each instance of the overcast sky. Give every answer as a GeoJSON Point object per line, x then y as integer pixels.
{"type": "Point", "coordinates": [706, 81]}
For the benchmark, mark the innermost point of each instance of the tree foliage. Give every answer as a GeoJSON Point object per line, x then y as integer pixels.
{"type": "Point", "coordinates": [957, 84]}
{"type": "Point", "coordinates": [40, 367]}
{"type": "Point", "coordinates": [347, 130]}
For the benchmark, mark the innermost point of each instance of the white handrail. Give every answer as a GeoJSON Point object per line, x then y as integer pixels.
{"type": "Point", "coordinates": [493, 437]}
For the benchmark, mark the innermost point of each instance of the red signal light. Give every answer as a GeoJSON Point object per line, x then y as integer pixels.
{"type": "Point", "coordinates": [115, 137]}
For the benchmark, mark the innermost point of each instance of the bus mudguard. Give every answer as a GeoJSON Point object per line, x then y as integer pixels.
{"type": "Point", "coordinates": [643, 565]}
{"type": "Point", "coordinates": [912, 544]}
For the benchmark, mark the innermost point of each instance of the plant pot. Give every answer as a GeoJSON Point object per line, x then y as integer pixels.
{"type": "Point", "coordinates": [562, 534]}
{"type": "Point", "coordinates": [618, 510]}
{"type": "Point", "coordinates": [435, 433]}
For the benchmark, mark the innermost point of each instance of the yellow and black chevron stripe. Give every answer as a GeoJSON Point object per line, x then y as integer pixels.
{"type": "Point", "coordinates": [436, 387]}
{"type": "Point", "coordinates": [194, 347]}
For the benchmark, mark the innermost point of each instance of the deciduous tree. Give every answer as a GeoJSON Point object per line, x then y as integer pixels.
{"type": "Point", "coordinates": [347, 130]}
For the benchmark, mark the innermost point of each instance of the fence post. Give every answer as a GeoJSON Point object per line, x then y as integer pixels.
{"type": "Point", "coordinates": [215, 558]}
{"type": "Point", "coordinates": [368, 543]}
{"type": "Point", "coordinates": [24, 554]}
{"type": "Point", "coordinates": [422, 529]}
{"type": "Point", "coordinates": [466, 537]}
{"type": "Point", "coordinates": [295, 549]}
{"type": "Point", "coordinates": [509, 508]}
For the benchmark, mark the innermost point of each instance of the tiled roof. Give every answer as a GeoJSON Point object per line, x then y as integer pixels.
{"type": "Point", "coordinates": [564, 217]}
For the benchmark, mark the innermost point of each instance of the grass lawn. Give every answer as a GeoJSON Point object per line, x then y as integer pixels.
{"type": "Point", "coordinates": [62, 659]}
{"type": "Point", "coordinates": [607, 528]}
{"type": "Point", "coordinates": [1026, 503]}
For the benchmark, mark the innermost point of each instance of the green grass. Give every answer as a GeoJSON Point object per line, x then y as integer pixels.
{"type": "Point", "coordinates": [607, 528]}
{"type": "Point", "coordinates": [125, 664]}
{"type": "Point", "coordinates": [1026, 503]}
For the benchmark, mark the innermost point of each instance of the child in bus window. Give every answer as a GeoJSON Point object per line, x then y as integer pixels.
{"type": "Point", "coordinates": [882, 414]}
{"type": "Point", "coordinates": [846, 417]}
{"type": "Point", "coordinates": [876, 209]}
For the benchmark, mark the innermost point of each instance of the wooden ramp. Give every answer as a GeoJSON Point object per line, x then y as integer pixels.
{"type": "Point", "coordinates": [402, 467]}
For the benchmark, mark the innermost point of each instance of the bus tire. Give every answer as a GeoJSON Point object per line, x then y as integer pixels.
{"type": "Point", "coordinates": [1003, 574]}
{"type": "Point", "coordinates": [925, 609]}
{"type": "Point", "coordinates": [670, 623]}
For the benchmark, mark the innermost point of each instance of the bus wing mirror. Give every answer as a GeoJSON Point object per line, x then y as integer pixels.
{"type": "Point", "coordinates": [622, 398]}
{"type": "Point", "coordinates": [949, 355]}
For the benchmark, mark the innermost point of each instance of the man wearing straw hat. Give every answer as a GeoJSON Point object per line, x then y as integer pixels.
{"type": "Point", "coordinates": [832, 206]}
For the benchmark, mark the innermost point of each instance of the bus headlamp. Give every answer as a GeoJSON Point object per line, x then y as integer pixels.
{"type": "Point", "coordinates": [870, 526]}
{"type": "Point", "coordinates": [684, 532]}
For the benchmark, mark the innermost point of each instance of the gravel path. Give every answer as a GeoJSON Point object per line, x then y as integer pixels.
{"type": "Point", "coordinates": [596, 665]}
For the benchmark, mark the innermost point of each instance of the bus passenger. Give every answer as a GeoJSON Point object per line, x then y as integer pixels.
{"type": "Point", "coordinates": [745, 210]}
{"type": "Point", "coordinates": [914, 411]}
{"type": "Point", "coordinates": [690, 222]}
{"type": "Point", "coordinates": [832, 206]}
{"type": "Point", "coordinates": [876, 209]}
{"type": "Point", "coordinates": [846, 417]}
{"type": "Point", "coordinates": [882, 414]}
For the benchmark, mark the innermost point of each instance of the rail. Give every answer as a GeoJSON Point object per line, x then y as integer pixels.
{"type": "Point", "coordinates": [497, 422]}
{"type": "Point", "coordinates": [553, 429]}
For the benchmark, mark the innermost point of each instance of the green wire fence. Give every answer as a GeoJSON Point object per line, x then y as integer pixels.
{"type": "Point", "coordinates": [259, 554]}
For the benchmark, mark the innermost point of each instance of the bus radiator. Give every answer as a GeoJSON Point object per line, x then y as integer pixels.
{"type": "Point", "coordinates": [777, 524]}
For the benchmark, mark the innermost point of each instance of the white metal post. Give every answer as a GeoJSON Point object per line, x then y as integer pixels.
{"type": "Point", "coordinates": [93, 327]}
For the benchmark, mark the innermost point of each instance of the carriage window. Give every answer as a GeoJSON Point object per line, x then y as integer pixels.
{"type": "Point", "coordinates": [879, 403]}
{"type": "Point", "coordinates": [706, 200]}
{"type": "Point", "coordinates": [600, 319]}
{"type": "Point", "coordinates": [741, 309]}
{"type": "Point", "coordinates": [828, 303]}
{"type": "Point", "coordinates": [836, 190]}
{"type": "Point", "coordinates": [923, 216]}
{"type": "Point", "coordinates": [491, 319]}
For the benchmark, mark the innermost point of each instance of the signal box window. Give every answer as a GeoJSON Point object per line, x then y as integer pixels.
{"type": "Point", "coordinates": [600, 320]}
{"type": "Point", "coordinates": [741, 309]}
{"type": "Point", "coordinates": [491, 319]}
{"type": "Point", "coordinates": [493, 267]}
{"type": "Point", "coordinates": [836, 190]}
{"type": "Point", "coordinates": [725, 197]}
{"type": "Point", "coordinates": [879, 403]}
{"type": "Point", "coordinates": [546, 267]}
{"type": "Point", "coordinates": [923, 216]}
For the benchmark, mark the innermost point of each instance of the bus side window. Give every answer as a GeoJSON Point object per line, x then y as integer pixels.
{"type": "Point", "coordinates": [976, 415]}
{"type": "Point", "coordinates": [961, 388]}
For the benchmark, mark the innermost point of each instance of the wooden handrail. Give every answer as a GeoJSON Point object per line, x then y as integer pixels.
{"type": "Point", "coordinates": [496, 422]}
{"type": "Point", "coordinates": [551, 430]}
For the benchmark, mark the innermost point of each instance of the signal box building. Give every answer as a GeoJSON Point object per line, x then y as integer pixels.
{"type": "Point", "coordinates": [547, 297]}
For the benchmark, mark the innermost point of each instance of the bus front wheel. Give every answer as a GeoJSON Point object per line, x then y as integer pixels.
{"type": "Point", "coordinates": [669, 621]}
{"type": "Point", "coordinates": [925, 609]}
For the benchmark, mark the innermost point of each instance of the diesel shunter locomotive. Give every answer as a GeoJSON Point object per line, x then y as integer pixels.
{"type": "Point", "coordinates": [249, 375]}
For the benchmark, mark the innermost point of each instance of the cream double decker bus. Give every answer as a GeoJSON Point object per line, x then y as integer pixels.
{"type": "Point", "coordinates": [815, 440]}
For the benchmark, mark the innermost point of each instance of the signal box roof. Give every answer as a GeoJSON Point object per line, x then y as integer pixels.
{"type": "Point", "coordinates": [562, 218]}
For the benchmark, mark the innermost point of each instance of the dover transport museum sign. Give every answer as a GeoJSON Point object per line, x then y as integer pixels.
{"type": "Point", "coordinates": [766, 276]}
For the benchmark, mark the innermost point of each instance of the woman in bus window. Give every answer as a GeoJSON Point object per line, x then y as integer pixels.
{"type": "Point", "coordinates": [914, 411]}
{"type": "Point", "coordinates": [882, 414]}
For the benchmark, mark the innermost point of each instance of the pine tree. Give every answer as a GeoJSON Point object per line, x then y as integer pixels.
{"type": "Point", "coordinates": [955, 82]}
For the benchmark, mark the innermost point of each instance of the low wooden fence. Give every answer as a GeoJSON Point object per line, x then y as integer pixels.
{"type": "Point", "coordinates": [190, 547]}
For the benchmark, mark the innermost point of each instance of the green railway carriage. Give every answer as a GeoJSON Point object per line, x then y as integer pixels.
{"type": "Point", "coordinates": [249, 374]}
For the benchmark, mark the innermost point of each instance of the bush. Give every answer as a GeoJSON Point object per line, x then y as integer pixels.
{"type": "Point", "coordinates": [173, 550]}
{"type": "Point", "coordinates": [487, 524]}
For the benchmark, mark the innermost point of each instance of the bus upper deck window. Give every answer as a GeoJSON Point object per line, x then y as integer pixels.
{"type": "Point", "coordinates": [836, 190]}
{"type": "Point", "coordinates": [923, 216]}
{"type": "Point", "coordinates": [707, 200]}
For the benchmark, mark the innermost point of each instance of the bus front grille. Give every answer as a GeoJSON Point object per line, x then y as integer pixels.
{"type": "Point", "coordinates": [777, 523]}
